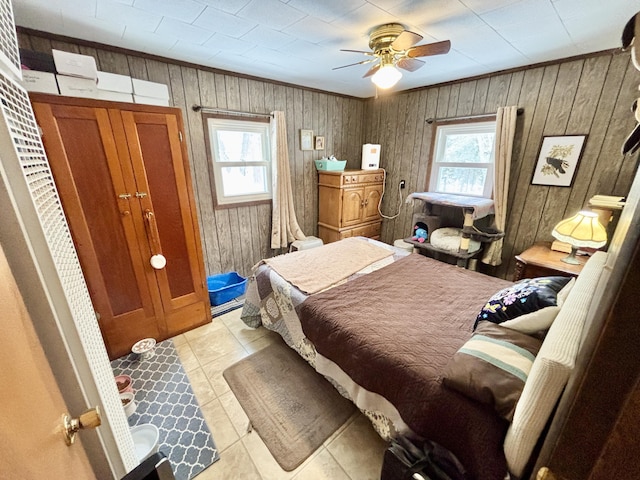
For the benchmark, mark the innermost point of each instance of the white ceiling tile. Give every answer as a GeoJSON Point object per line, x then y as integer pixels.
{"type": "Point", "coordinates": [125, 2]}
{"type": "Point", "coordinates": [183, 31]}
{"type": "Point", "coordinates": [315, 30]}
{"type": "Point", "coordinates": [221, 22]}
{"type": "Point", "coordinates": [229, 6]}
{"type": "Point", "coordinates": [553, 28]}
{"type": "Point", "coordinates": [47, 18]}
{"type": "Point", "coordinates": [364, 19]}
{"type": "Point", "coordinates": [327, 10]}
{"type": "Point", "coordinates": [230, 45]}
{"type": "Point", "coordinates": [190, 52]}
{"type": "Point", "coordinates": [272, 13]}
{"type": "Point", "coordinates": [94, 30]}
{"type": "Point", "coordinates": [79, 8]}
{"type": "Point", "coordinates": [148, 42]}
{"type": "Point", "coordinates": [126, 15]}
{"type": "Point", "coordinates": [421, 13]}
{"type": "Point", "coordinates": [266, 36]}
{"type": "Point", "coordinates": [533, 11]}
{"type": "Point", "coordinates": [183, 10]}
{"type": "Point", "coordinates": [484, 6]}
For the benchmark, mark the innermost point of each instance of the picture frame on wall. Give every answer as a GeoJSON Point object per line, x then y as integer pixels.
{"type": "Point", "coordinates": [319, 143]}
{"type": "Point", "coordinates": [306, 139]}
{"type": "Point", "coordinates": [558, 160]}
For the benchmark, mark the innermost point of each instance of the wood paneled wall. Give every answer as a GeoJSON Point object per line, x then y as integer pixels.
{"type": "Point", "coordinates": [237, 238]}
{"type": "Point", "coordinates": [590, 96]}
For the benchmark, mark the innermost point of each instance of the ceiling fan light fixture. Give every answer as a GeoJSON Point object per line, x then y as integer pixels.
{"type": "Point", "coordinates": [386, 76]}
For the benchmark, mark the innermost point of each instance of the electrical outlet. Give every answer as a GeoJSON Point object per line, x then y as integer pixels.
{"type": "Point", "coordinates": [403, 184]}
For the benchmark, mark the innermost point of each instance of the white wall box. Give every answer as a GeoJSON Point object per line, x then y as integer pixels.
{"type": "Point", "coordinates": [163, 102]}
{"type": "Point", "coordinates": [114, 96]}
{"type": "Point", "coordinates": [114, 82]}
{"type": "Point", "coordinates": [77, 87]}
{"type": "Point", "coordinates": [150, 89]}
{"type": "Point", "coordinates": [35, 81]}
{"type": "Point", "coordinates": [75, 65]}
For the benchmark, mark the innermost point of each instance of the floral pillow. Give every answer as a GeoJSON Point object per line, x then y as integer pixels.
{"type": "Point", "coordinates": [534, 302]}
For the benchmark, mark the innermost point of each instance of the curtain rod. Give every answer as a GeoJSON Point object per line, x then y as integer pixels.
{"type": "Point", "coordinates": [520, 111]}
{"type": "Point", "coordinates": [200, 108]}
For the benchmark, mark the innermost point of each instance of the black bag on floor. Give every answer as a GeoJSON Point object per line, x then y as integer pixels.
{"type": "Point", "coordinates": [425, 459]}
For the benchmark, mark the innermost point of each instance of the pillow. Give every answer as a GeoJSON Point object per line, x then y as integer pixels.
{"type": "Point", "coordinates": [492, 367]}
{"type": "Point", "coordinates": [537, 298]}
{"type": "Point", "coordinates": [540, 320]}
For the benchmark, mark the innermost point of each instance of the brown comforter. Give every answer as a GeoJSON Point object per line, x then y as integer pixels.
{"type": "Point", "coordinates": [394, 330]}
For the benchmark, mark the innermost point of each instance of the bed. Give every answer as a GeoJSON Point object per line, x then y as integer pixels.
{"type": "Point", "coordinates": [384, 331]}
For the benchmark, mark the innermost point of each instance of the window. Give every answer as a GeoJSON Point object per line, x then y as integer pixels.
{"type": "Point", "coordinates": [241, 159]}
{"type": "Point", "coordinates": [463, 159]}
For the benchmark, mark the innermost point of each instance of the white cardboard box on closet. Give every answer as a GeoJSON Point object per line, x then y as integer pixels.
{"type": "Point", "coordinates": [77, 87]}
{"type": "Point", "coordinates": [75, 65]}
{"type": "Point", "coordinates": [35, 81]}
{"type": "Point", "coordinates": [114, 83]}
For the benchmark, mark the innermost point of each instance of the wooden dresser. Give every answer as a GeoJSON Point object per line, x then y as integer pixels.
{"type": "Point", "coordinates": [348, 204]}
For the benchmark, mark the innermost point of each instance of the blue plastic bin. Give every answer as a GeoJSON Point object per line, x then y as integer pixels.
{"type": "Point", "coordinates": [225, 287]}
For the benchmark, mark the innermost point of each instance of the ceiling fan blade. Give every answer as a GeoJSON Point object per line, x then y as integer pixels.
{"type": "Point", "coordinates": [437, 48]}
{"type": "Point", "coordinates": [410, 64]}
{"type": "Point", "coordinates": [405, 40]}
{"type": "Point", "coordinates": [356, 51]}
{"type": "Point", "coordinates": [353, 64]}
{"type": "Point", "coordinates": [371, 71]}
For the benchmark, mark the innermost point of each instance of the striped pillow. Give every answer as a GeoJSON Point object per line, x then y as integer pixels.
{"type": "Point", "coordinates": [493, 366]}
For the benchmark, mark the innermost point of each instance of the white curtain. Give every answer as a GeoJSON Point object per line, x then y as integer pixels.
{"type": "Point", "coordinates": [284, 225]}
{"type": "Point", "coordinates": [505, 130]}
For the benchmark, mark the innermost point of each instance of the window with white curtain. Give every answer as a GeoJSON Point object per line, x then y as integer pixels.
{"type": "Point", "coordinates": [240, 155]}
{"type": "Point", "coordinates": [462, 161]}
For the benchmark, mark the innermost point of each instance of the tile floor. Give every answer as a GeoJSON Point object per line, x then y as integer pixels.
{"type": "Point", "coordinates": [353, 452]}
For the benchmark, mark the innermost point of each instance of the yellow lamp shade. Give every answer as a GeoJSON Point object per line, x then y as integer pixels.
{"type": "Point", "coordinates": [582, 230]}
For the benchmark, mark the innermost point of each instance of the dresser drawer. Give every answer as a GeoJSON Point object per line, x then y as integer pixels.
{"type": "Point", "coordinates": [372, 230]}
{"type": "Point", "coordinates": [361, 178]}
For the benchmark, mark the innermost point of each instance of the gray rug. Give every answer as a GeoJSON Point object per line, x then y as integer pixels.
{"type": "Point", "coordinates": [164, 397]}
{"type": "Point", "coordinates": [291, 406]}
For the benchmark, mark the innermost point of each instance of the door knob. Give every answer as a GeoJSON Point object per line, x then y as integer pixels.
{"type": "Point", "coordinates": [89, 419]}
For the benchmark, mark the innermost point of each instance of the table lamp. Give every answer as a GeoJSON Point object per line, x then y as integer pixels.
{"type": "Point", "coordinates": [581, 230]}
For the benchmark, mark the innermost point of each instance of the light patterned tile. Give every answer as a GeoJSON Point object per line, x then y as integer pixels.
{"type": "Point", "coordinates": [235, 463]}
{"type": "Point", "coordinates": [240, 330]}
{"type": "Point", "coordinates": [322, 467]}
{"type": "Point", "coordinates": [187, 357]}
{"type": "Point", "coordinates": [208, 328]}
{"type": "Point", "coordinates": [359, 450]}
{"type": "Point", "coordinates": [215, 345]}
{"type": "Point", "coordinates": [220, 425]}
{"type": "Point", "coordinates": [179, 340]}
{"type": "Point", "coordinates": [267, 339]}
{"type": "Point", "coordinates": [201, 387]}
{"type": "Point", "coordinates": [214, 370]}
{"type": "Point", "coordinates": [235, 412]}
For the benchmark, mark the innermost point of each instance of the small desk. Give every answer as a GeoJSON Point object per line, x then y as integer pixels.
{"type": "Point", "coordinates": [540, 261]}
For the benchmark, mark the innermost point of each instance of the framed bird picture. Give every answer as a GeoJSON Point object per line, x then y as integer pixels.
{"type": "Point", "coordinates": [558, 160]}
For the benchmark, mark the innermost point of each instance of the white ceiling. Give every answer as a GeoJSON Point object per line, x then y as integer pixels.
{"type": "Point", "coordinates": [298, 41]}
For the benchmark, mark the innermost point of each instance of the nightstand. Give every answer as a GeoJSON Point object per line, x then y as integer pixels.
{"type": "Point", "coordinates": [540, 261]}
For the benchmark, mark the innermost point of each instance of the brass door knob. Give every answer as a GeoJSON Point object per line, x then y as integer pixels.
{"type": "Point", "coordinates": [89, 419]}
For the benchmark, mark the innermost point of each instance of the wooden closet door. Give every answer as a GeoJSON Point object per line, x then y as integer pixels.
{"type": "Point", "coordinates": [96, 189]}
{"type": "Point", "coordinates": [164, 187]}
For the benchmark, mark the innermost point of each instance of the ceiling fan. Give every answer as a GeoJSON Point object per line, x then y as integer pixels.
{"type": "Point", "coordinates": [394, 47]}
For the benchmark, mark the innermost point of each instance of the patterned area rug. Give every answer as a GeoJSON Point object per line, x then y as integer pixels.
{"type": "Point", "coordinates": [164, 398]}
